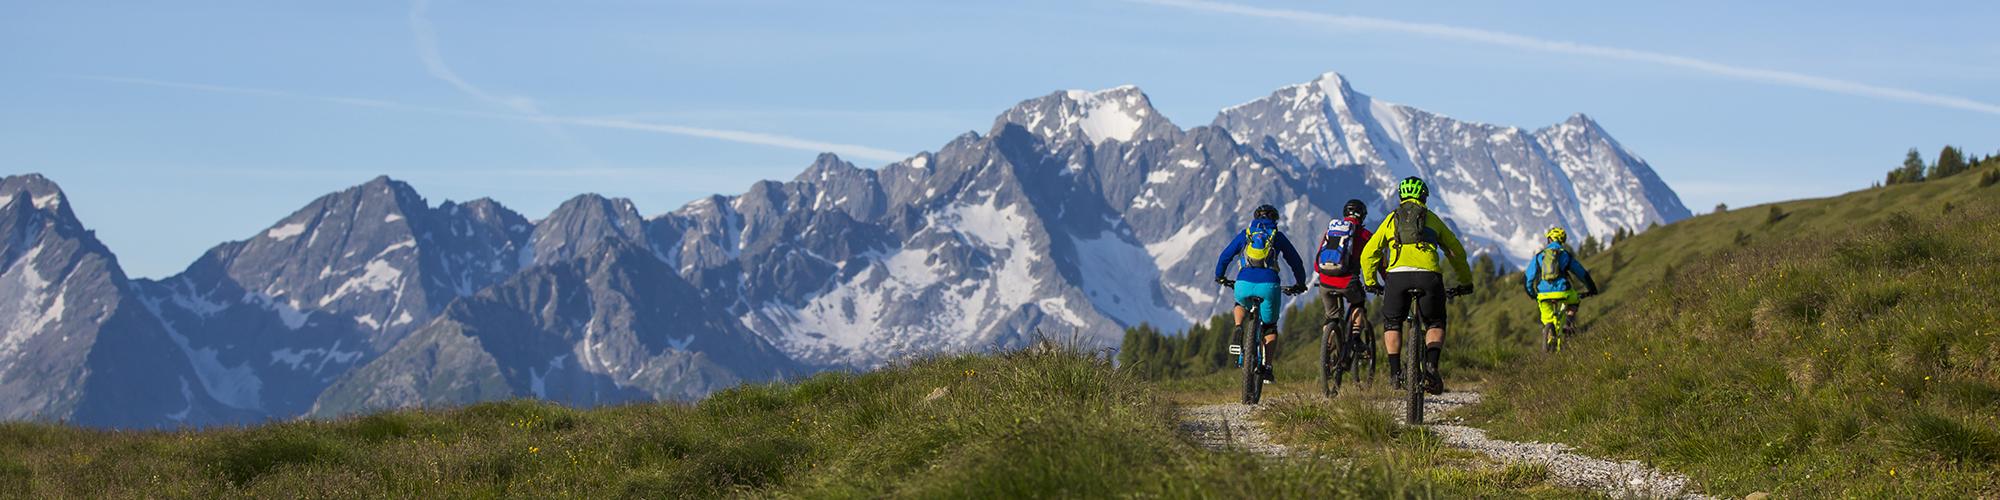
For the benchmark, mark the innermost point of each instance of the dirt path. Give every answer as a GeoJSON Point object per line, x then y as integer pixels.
{"type": "Point", "coordinates": [1566, 467]}
{"type": "Point", "coordinates": [1229, 425]}
{"type": "Point", "coordinates": [1233, 425]}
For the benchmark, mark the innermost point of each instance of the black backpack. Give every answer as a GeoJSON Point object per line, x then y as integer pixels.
{"type": "Point", "coordinates": [1407, 233]}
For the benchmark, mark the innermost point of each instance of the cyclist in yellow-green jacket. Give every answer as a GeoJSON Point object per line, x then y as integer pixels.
{"type": "Point", "coordinates": [1551, 280]}
{"type": "Point", "coordinates": [1414, 246]}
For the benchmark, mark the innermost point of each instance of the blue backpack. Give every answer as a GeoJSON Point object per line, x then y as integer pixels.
{"type": "Point", "coordinates": [1337, 255]}
{"type": "Point", "coordinates": [1259, 240]}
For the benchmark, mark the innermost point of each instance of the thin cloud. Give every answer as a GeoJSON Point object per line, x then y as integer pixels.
{"type": "Point", "coordinates": [759, 138]}
{"type": "Point", "coordinates": [738, 136]}
{"type": "Point", "coordinates": [1488, 37]}
{"type": "Point", "coordinates": [425, 37]}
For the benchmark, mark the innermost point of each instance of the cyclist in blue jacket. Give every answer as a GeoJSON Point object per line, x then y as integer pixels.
{"type": "Point", "coordinates": [1260, 246]}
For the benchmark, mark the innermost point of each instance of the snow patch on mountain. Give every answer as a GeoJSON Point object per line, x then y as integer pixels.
{"type": "Point", "coordinates": [29, 310]}
{"type": "Point", "coordinates": [1111, 115]}
{"type": "Point", "coordinates": [287, 231]}
{"type": "Point", "coordinates": [48, 201]}
{"type": "Point", "coordinates": [1171, 251]}
{"type": "Point", "coordinates": [237, 386]}
{"type": "Point", "coordinates": [288, 310]}
{"type": "Point", "coordinates": [1121, 281]}
{"type": "Point", "coordinates": [299, 359]}
{"type": "Point", "coordinates": [377, 276]}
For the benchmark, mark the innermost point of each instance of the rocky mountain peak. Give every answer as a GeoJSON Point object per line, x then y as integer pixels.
{"type": "Point", "coordinates": [582, 224]}
{"type": "Point", "coordinates": [38, 192]}
{"type": "Point", "coordinates": [1122, 114]}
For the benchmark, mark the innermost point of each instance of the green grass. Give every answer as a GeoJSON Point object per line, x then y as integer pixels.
{"type": "Point", "coordinates": [1845, 348]}
{"type": "Point", "coordinates": [1034, 424]}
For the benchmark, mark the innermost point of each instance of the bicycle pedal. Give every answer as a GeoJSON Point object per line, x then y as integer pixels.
{"type": "Point", "coordinates": [1236, 349]}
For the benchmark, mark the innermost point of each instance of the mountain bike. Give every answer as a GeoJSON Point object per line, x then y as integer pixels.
{"type": "Point", "coordinates": [1413, 343]}
{"type": "Point", "coordinates": [1252, 350]}
{"type": "Point", "coordinates": [1340, 355]}
{"type": "Point", "coordinates": [1565, 327]}
{"type": "Point", "coordinates": [1251, 353]}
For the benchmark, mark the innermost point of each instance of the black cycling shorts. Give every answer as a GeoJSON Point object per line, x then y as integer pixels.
{"type": "Point", "coordinates": [1396, 298]}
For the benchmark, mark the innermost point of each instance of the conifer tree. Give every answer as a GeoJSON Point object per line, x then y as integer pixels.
{"type": "Point", "coordinates": [1950, 162]}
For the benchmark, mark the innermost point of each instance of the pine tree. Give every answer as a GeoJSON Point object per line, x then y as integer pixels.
{"type": "Point", "coordinates": [1484, 268]}
{"type": "Point", "coordinates": [1950, 162]}
{"type": "Point", "coordinates": [1590, 247]}
{"type": "Point", "coordinates": [1911, 171]}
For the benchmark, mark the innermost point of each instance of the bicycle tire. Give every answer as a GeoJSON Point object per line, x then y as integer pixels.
{"type": "Point", "coordinates": [1329, 377]}
{"type": "Point", "coordinates": [1569, 321]}
{"type": "Point", "coordinates": [1413, 347]}
{"type": "Point", "coordinates": [1253, 353]}
{"type": "Point", "coordinates": [1367, 350]}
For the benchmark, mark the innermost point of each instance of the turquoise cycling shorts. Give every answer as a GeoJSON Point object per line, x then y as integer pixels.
{"type": "Point", "coordinates": [1268, 312]}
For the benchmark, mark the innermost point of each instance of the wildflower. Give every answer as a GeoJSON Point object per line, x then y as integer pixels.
{"type": "Point", "coordinates": [532, 449]}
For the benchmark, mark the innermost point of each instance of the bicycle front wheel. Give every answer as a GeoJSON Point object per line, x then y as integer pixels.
{"type": "Point", "coordinates": [1253, 354]}
{"type": "Point", "coordinates": [1413, 348]}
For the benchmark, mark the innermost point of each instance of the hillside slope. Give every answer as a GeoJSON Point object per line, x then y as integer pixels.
{"type": "Point", "coordinates": [1033, 423]}
{"type": "Point", "coordinates": [1837, 346]}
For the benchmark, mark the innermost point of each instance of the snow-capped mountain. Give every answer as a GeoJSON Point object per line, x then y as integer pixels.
{"type": "Point", "coordinates": [1503, 186]}
{"type": "Point", "coordinates": [79, 345]}
{"type": "Point", "coordinates": [270, 321]}
{"type": "Point", "coordinates": [1075, 214]}
{"type": "Point", "coordinates": [1085, 212]}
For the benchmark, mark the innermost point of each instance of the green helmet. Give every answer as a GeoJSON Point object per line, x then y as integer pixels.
{"type": "Point", "coordinates": [1413, 188]}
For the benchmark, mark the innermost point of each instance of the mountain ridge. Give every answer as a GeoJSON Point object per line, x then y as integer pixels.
{"type": "Point", "coordinates": [1078, 214]}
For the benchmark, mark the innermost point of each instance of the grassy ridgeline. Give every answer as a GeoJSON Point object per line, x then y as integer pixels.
{"type": "Point", "coordinates": [1022, 424]}
{"type": "Point", "coordinates": [1832, 347]}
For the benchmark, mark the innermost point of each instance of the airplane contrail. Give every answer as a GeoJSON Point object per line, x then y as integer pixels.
{"type": "Point", "coordinates": [1503, 39]}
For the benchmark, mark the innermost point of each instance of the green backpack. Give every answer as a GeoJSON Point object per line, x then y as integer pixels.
{"type": "Point", "coordinates": [1552, 268]}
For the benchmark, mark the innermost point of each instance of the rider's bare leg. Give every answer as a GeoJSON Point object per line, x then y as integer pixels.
{"type": "Point", "coordinates": [1270, 345]}
{"type": "Point", "coordinates": [1239, 316]}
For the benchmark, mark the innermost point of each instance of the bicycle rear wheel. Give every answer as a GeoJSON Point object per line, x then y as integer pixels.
{"type": "Point", "coordinates": [1329, 376]}
{"type": "Point", "coordinates": [1253, 354]}
{"type": "Point", "coordinates": [1569, 321]}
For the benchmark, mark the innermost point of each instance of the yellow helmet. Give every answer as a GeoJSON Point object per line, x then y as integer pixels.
{"type": "Point", "coordinates": [1556, 234]}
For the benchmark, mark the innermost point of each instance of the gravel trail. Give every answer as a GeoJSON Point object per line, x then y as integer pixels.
{"type": "Point", "coordinates": [1234, 425]}
{"type": "Point", "coordinates": [1229, 425]}
{"type": "Point", "coordinates": [1566, 467]}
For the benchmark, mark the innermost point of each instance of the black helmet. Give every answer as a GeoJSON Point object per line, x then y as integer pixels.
{"type": "Point", "coordinates": [1265, 212]}
{"type": "Point", "coordinates": [1355, 209]}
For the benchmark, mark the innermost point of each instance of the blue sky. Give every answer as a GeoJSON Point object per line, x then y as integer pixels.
{"type": "Point", "coordinates": [176, 127]}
